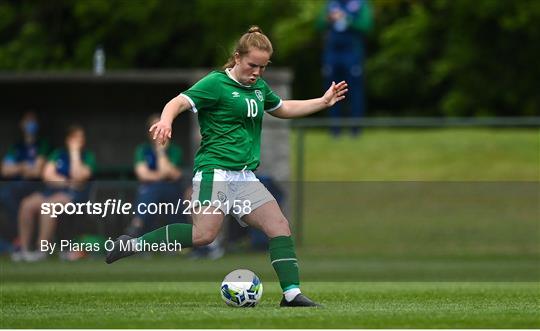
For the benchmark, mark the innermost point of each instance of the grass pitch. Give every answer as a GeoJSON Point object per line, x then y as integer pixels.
{"type": "Point", "coordinates": [455, 245]}
{"type": "Point", "coordinates": [132, 294]}
{"type": "Point", "coordinates": [198, 305]}
{"type": "Point", "coordinates": [453, 154]}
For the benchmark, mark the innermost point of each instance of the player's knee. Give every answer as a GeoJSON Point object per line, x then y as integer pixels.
{"type": "Point", "coordinates": [284, 229]}
{"type": "Point", "coordinates": [279, 227]}
{"type": "Point", "coordinates": [26, 202]}
{"type": "Point", "coordinates": [28, 205]}
{"type": "Point", "coordinates": [203, 238]}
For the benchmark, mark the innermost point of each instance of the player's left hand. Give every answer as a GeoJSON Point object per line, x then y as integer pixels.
{"type": "Point", "coordinates": [335, 93]}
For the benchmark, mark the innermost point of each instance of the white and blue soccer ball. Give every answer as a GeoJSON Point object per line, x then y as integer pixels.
{"type": "Point", "coordinates": [241, 288]}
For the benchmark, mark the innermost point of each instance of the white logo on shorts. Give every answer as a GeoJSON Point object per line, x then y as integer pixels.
{"type": "Point", "coordinates": [221, 196]}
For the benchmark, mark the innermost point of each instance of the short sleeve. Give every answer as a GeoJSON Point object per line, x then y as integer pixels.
{"type": "Point", "coordinates": [90, 161]}
{"type": "Point", "coordinates": [271, 100]}
{"type": "Point", "coordinates": [204, 94]}
{"type": "Point", "coordinates": [43, 148]}
{"type": "Point", "coordinates": [55, 155]}
{"type": "Point", "coordinates": [139, 155]}
{"type": "Point", "coordinates": [11, 156]}
{"type": "Point", "coordinates": [175, 155]}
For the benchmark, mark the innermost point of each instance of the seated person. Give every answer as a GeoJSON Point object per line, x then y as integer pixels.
{"type": "Point", "coordinates": [157, 167]}
{"type": "Point", "coordinates": [21, 169]}
{"type": "Point", "coordinates": [66, 176]}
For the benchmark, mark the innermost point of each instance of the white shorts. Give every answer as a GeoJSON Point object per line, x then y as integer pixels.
{"type": "Point", "coordinates": [233, 192]}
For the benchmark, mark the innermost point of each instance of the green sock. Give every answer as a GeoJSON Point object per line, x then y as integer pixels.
{"type": "Point", "coordinates": [180, 232]}
{"type": "Point", "coordinates": [284, 261]}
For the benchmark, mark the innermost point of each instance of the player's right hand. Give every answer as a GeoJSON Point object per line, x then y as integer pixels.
{"type": "Point", "coordinates": [161, 131]}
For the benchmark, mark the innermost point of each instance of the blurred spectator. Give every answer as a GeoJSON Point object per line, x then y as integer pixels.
{"type": "Point", "coordinates": [21, 170]}
{"type": "Point", "coordinates": [344, 23]}
{"type": "Point", "coordinates": [66, 176]}
{"type": "Point", "coordinates": [158, 168]}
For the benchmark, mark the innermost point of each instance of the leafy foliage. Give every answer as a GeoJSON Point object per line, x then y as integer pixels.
{"type": "Point", "coordinates": [440, 57]}
{"type": "Point", "coordinates": [452, 57]}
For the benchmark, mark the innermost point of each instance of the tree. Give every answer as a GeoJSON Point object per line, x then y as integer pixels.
{"type": "Point", "coordinates": [425, 57]}
{"type": "Point", "coordinates": [452, 57]}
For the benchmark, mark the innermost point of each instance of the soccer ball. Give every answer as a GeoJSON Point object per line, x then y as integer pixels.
{"type": "Point", "coordinates": [241, 288]}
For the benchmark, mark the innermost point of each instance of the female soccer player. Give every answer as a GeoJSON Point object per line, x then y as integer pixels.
{"type": "Point", "coordinates": [66, 175]}
{"type": "Point", "coordinates": [229, 106]}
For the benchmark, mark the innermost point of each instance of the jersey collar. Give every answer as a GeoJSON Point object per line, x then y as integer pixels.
{"type": "Point", "coordinates": [228, 72]}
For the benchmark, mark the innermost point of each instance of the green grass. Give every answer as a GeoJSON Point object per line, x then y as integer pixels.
{"type": "Point", "coordinates": [175, 292]}
{"type": "Point", "coordinates": [197, 305]}
{"type": "Point", "coordinates": [422, 218]}
{"type": "Point", "coordinates": [314, 267]}
{"type": "Point", "coordinates": [432, 192]}
{"type": "Point", "coordinates": [423, 155]}
{"type": "Point", "coordinates": [402, 229]}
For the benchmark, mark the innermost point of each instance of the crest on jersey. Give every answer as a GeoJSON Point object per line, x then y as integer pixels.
{"type": "Point", "coordinates": [235, 94]}
{"type": "Point", "coordinates": [259, 95]}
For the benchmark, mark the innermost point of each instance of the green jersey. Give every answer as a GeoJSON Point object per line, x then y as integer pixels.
{"type": "Point", "coordinates": [230, 119]}
{"type": "Point", "coordinates": [60, 158]}
{"type": "Point", "coordinates": [145, 153]}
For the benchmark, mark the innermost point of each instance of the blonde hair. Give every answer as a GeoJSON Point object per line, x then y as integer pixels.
{"type": "Point", "coordinates": [254, 37]}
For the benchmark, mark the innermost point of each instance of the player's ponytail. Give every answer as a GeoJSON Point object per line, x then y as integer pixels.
{"type": "Point", "coordinates": [254, 37]}
{"type": "Point", "coordinates": [254, 29]}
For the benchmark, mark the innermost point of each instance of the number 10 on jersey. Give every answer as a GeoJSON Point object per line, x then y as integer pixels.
{"type": "Point", "coordinates": [252, 108]}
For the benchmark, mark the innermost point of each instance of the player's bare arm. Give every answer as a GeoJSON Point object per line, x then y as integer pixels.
{"type": "Point", "coordinates": [165, 166]}
{"type": "Point", "coordinates": [162, 130]}
{"type": "Point", "coordinates": [52, 177]}
{"type": "Point", "coordinates": [301, 108]}
{"type": "Point", "coordinates": [145, 174]}
{"type": "Point", "coordinates": [11, 169]}
{"type": "Point", "coordinates": [33, 170]}
{"type": "Point", "coordinates": [78, 170]}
